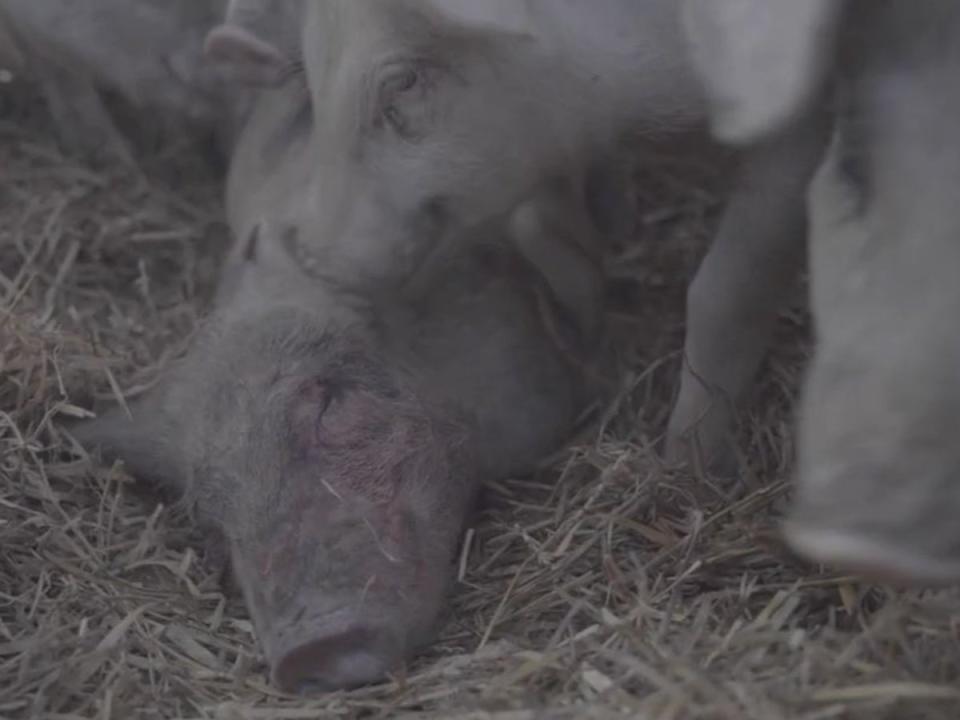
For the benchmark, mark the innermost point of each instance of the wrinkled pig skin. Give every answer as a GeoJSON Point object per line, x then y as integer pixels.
{"type": "Point", "coordinates": [878, 479]}
{"type": "Point", "coordinates": [386, 128]}
{"type": "Point", "coordinates": [150, 52]}
{"type": "Point", "coordinates": [338, 440]}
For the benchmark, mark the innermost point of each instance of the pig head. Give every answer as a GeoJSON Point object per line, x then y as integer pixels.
{"type": "Point", "coordinates": [878, 486]}
{"type": "Point", "coordinates": [337, 441]}
{"type": "Point", "coordinates": [385, 128]}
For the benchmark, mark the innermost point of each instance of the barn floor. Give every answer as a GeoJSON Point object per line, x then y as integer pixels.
{"type": "Point", "coordinates": [606, 586]}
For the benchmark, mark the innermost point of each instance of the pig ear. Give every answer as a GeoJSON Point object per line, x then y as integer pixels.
{"type": "Point", "coordinates": [245, 57]}
{"type": "Point", "coordinates": [550, 237]}
{"type": "Point", "coordinates": [146, 443]}
{"type": "Point", "coordinates": [761, 61]}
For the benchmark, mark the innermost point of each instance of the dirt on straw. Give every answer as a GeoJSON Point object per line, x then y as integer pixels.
{"type": "Point", "coordinates": [606, 585]}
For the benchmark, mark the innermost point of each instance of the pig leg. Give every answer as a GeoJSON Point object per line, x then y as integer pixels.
{"type": "Point", "coordinates": [83, 124]}
{"type": "Point", "coordinates": [740, 287]}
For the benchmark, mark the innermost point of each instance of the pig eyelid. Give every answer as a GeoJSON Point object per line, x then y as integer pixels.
{"type": "Point", "coordinates": [325, 402]}
{"type": "Point", "coordinates": [404, 77]}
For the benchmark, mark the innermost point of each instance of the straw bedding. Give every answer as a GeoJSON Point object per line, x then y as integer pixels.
{"type": "Point", "coordinates": [606, 585]}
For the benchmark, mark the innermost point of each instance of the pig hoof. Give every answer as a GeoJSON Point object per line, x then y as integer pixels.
{"type": "Point", "coordinates": [874, 560]}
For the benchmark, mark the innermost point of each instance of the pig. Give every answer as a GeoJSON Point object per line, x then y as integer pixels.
{"type": "Point", "coordinates": [383, 129]}
{"type": "Point", "coordinates": [336, 437]}
{"type": "Point", "coordinates": [149, 52]}
{"type": "Point", "coordinates": [877, 486]}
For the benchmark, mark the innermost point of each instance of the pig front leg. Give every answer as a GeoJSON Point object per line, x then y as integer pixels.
{"type": "Point", "coordinates": [740, 288]}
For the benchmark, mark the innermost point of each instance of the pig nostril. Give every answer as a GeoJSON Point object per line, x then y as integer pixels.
{"type": "Point", "coordinates": [345, 660]}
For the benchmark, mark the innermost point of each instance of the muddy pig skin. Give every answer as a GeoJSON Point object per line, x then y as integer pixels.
{"type": "Point", "coordinates": [150, 52]}
{"type": "Point", "coordinates": [337, 440]}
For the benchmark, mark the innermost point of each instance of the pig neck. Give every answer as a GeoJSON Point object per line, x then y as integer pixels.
{"type": "Point", "coordinates": [629, 60]}
{"type": "Point", "coordinates": [603, 68]}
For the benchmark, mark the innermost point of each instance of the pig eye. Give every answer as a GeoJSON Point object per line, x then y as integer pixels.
{"type": "Point", "coordinates": [333, 409]}
{"type": "Point", "coordinates": [406, 78]}
{"type": "Point", "coordinates": [315, 416]}
{"type": "Point", "coordinates": [392, 90]}
{"type": "Point", "coordinates": [321, 396]}
{"type": "Point", "coordinates": [401, 98]}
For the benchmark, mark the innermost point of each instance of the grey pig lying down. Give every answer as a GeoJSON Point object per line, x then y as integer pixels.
{"type": "Point", "coordinates": [337, 440]}
{"type": "Point", "coordinates": [878, 481]}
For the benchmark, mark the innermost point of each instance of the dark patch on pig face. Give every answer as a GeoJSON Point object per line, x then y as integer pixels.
{"type": "Point", "coordinates": [879, 464]}
{"type": "Point", "coordinates": [340, 494]}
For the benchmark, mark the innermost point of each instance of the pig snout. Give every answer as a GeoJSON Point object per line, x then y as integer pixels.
{"type": "Point", "coordinates": [346, 650]}
{"type": "Point", "coordinates": [342, 591]}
